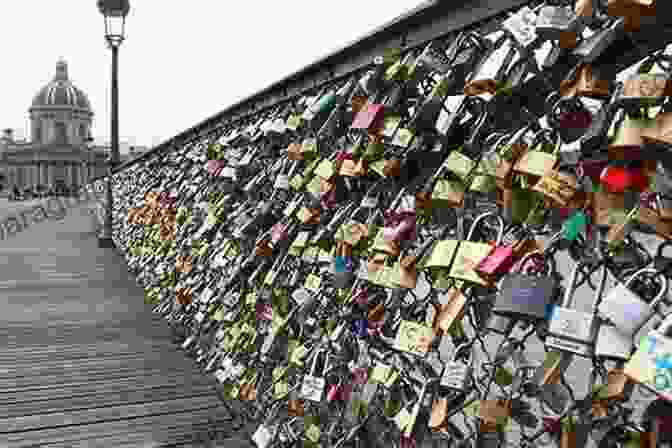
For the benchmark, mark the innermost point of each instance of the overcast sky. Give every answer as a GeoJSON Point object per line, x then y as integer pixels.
{"type": "Point", "coordinates": [182, 61]}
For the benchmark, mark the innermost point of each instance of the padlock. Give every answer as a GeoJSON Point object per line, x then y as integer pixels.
{"type": "Point", "coordinates": [620, 228]}
{"type": "Point", "coordinates": [267, 432]}
{"type": "Point", "coordinates": [488, 436]}
{"type": "Point", "coordinates": [508, 156]}
{"type": "Point", "coordinates": [521, 25]}
{"type": "Point", "coordinates": [525, 296]}
{"type": "Point", "coordinates": [536, 160]}
{"type": "Point", "coordinates": [626, 309]}
{"type": "Point", "coordinates": [342, 270]}
{"type": "Point", "coordinates": [457, 373]}
{"type": "Point", "coordinates": [592, 48]}
{"type": "Point", "coordinates": [571, 330]}
{"type": "Point", "coordinates": [555, 22]}
{"type": "Point", "coordinates": [410, 429]}
{"type": "Point", "coordinates": [427, 114]}
{"type": "Point", "coordinates": [628, 141]}
{"type": "Point", "coordinates": [470, 253]}
{"type": "Point", "coordinates": [650, 366]}
{"type": "Point", "coordinates": [644, 89]}
{"type": "Point", "coordinates": [447, 314]}
{"type": "Point", "coordinates": [661, 132]}
{"type": "Point", "coordinates": [581, 82]}
{"type": "Point", "coordinates": [662, 262]}
{"type": "Point", "coordinates": [492, 71]}
{"type": "Point", "coordinates": [370, 118]}
{"type": "Point", "coordinates": [312, 387]}
{"type": "Point", "coordinates": [493, 413]}
{"type": "Point", "coordinates": [557, 186]}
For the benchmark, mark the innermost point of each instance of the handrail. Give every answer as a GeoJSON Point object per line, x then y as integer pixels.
{"type": "Point", "coordinates": [431, 20]}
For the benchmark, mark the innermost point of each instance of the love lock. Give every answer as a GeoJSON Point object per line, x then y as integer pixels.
{"type": "Point", "coordinates": [557, 23]}
{"type": "Point", "coordinates": [457, 373]}
{"type": "Point", "coordinates": [571, 330]}
{"type": "Point", "coordinates": [525, 296]}
{"type": "Point", "coordinates": [627, 313]}
{"type": "Point", "coordinates": [660, 261]}
{"type": "Point", "coordinates": [654, 350]}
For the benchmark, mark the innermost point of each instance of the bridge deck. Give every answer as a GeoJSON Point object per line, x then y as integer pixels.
{"type": "Point", "coordinates": [83, 362]}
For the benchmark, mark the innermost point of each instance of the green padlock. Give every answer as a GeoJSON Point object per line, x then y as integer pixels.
{"type": "Point", "coordinates": [522, 202]}
{"type": "Point", "coordinates": [574, 226]}
{"type": "Point", "coordinates": [503, 377]}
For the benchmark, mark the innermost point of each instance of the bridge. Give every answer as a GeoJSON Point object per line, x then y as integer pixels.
{"type": "Point", "coordinates": [87, 364]}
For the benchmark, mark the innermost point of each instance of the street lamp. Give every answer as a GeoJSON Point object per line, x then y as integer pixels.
{"type": "Point", "coordinates": [114, 12]}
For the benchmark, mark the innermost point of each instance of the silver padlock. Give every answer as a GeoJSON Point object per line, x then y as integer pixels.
{"type": "Point", "coordinates": [457, 373]}
{"type": "Point", "coordinates": [553, 21]}
{"type": "Point", "coordinates": [266, 433]}
{"type": "Point", "coordinates": [612, 341]}
{"type": "Point", "coordinates": [312, 387]}
{"type": "Point", "coordinates": [626, 309]}
{"type": "Point", "coordinates": [521, 25]}
{"type": "Point", "coordinates": [571, 330]}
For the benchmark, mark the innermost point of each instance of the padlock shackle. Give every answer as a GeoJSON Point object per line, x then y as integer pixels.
{"type": "Point", "coordinates": [460, 349]}
{"type": "Point", "coordinates": [664, 287]}
{"type": "Point", "coordinates": [568, 299]}
{"type": "Point", "coordinates": [661, 248]}
{"type": "Point", "coordinates": [315, 357]}
{"type": "Point", "coordinates": [665, 325]}
{"type": "Point", "coordinates": [480, 218]}
{"type": "Point", "coordinates": [548, 134]}
{"type": "Point", "coordinates": [494, 139]}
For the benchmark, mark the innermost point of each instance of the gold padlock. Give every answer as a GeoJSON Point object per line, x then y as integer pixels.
{"type": "Point", "coordinates": [494, 411]}
{"type": "Point", "coordinates": [557, 186]}
{"type": "Point", "coordinates": [617, 384]}
{"type": "Point", "coordinates": [446, 314]}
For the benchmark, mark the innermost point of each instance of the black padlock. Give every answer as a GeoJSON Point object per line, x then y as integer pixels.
{"type": "Point", "coordinates": [593, 47]}
{"type": "Point", "coordinates": [660, 261]}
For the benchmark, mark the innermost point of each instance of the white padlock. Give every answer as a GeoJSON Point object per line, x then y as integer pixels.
{"type": "Point", "coordinates": [626, 309]}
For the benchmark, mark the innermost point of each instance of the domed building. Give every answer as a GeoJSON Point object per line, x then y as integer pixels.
{"type": "Point", "coordinates": [59, 152]}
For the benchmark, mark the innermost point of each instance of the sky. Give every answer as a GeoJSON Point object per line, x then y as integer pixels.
{"type": "Point", "coordinates": [181, 62]}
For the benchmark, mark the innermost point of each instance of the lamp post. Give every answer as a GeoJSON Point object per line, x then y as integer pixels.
{"type": "Point", "coordinates": [114, 12]}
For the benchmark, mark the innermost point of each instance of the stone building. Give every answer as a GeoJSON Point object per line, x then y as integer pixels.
{"type": "Point", "coordinates": [59, 151]}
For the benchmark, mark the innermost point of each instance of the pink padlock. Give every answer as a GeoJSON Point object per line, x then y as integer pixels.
{"type": "Point", "coordinates": [328, 200]}
{"type": "Point", "coordinates": [407, 441]}
{"type": "Point", "coordinates": [279, 232]}
{"type": "Point", "coordinates": [360, 375]}
{"type": "Point", "coordinates": [264, 311]}
{"type": "Point", "coordinates": [360, 296]}
{"type": "Point", "coordinates": [333, 392]}
{"type": "Point", "coordinates": [500, 259]}
{"type": "Point", "coordinates": [400, 225]}
{"type": "Point", "coordinates": [213, 167]}
{"type": "Point", "coordinates": [345, 392]}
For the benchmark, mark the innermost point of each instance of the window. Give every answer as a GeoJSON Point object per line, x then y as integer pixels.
{"type": "Point", "coordinates": [60, 133]}
{"type": "Point", "coordinates": [82, 131]}
{"type": "Point", "coordinates": [37, 134]}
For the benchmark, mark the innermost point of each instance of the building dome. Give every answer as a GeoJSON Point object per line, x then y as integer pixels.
{"type": "Point", "coordinates": [60, 92]}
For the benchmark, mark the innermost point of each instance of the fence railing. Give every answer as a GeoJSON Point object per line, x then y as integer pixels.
{"type": "Point", "coordinates": [432, 20]}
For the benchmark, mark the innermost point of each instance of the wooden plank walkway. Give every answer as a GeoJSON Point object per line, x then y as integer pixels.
{"type": "Point", "coordinates": [83, 362]}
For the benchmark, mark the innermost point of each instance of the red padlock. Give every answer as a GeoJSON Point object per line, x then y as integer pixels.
{"type": "Point", "coordinates": [615, 178]}
{"type": "Point", "coordinates": [639, 179]}
{"type": "Point", "coordinates": [593, 168]}
{"type": "Point", "coordinates": [618, 179]}
{"type": "Point", "coordinates": [575, 120]}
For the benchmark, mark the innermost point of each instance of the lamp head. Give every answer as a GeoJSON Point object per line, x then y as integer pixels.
{"type": "Point", "coordinates": [114, 12]}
